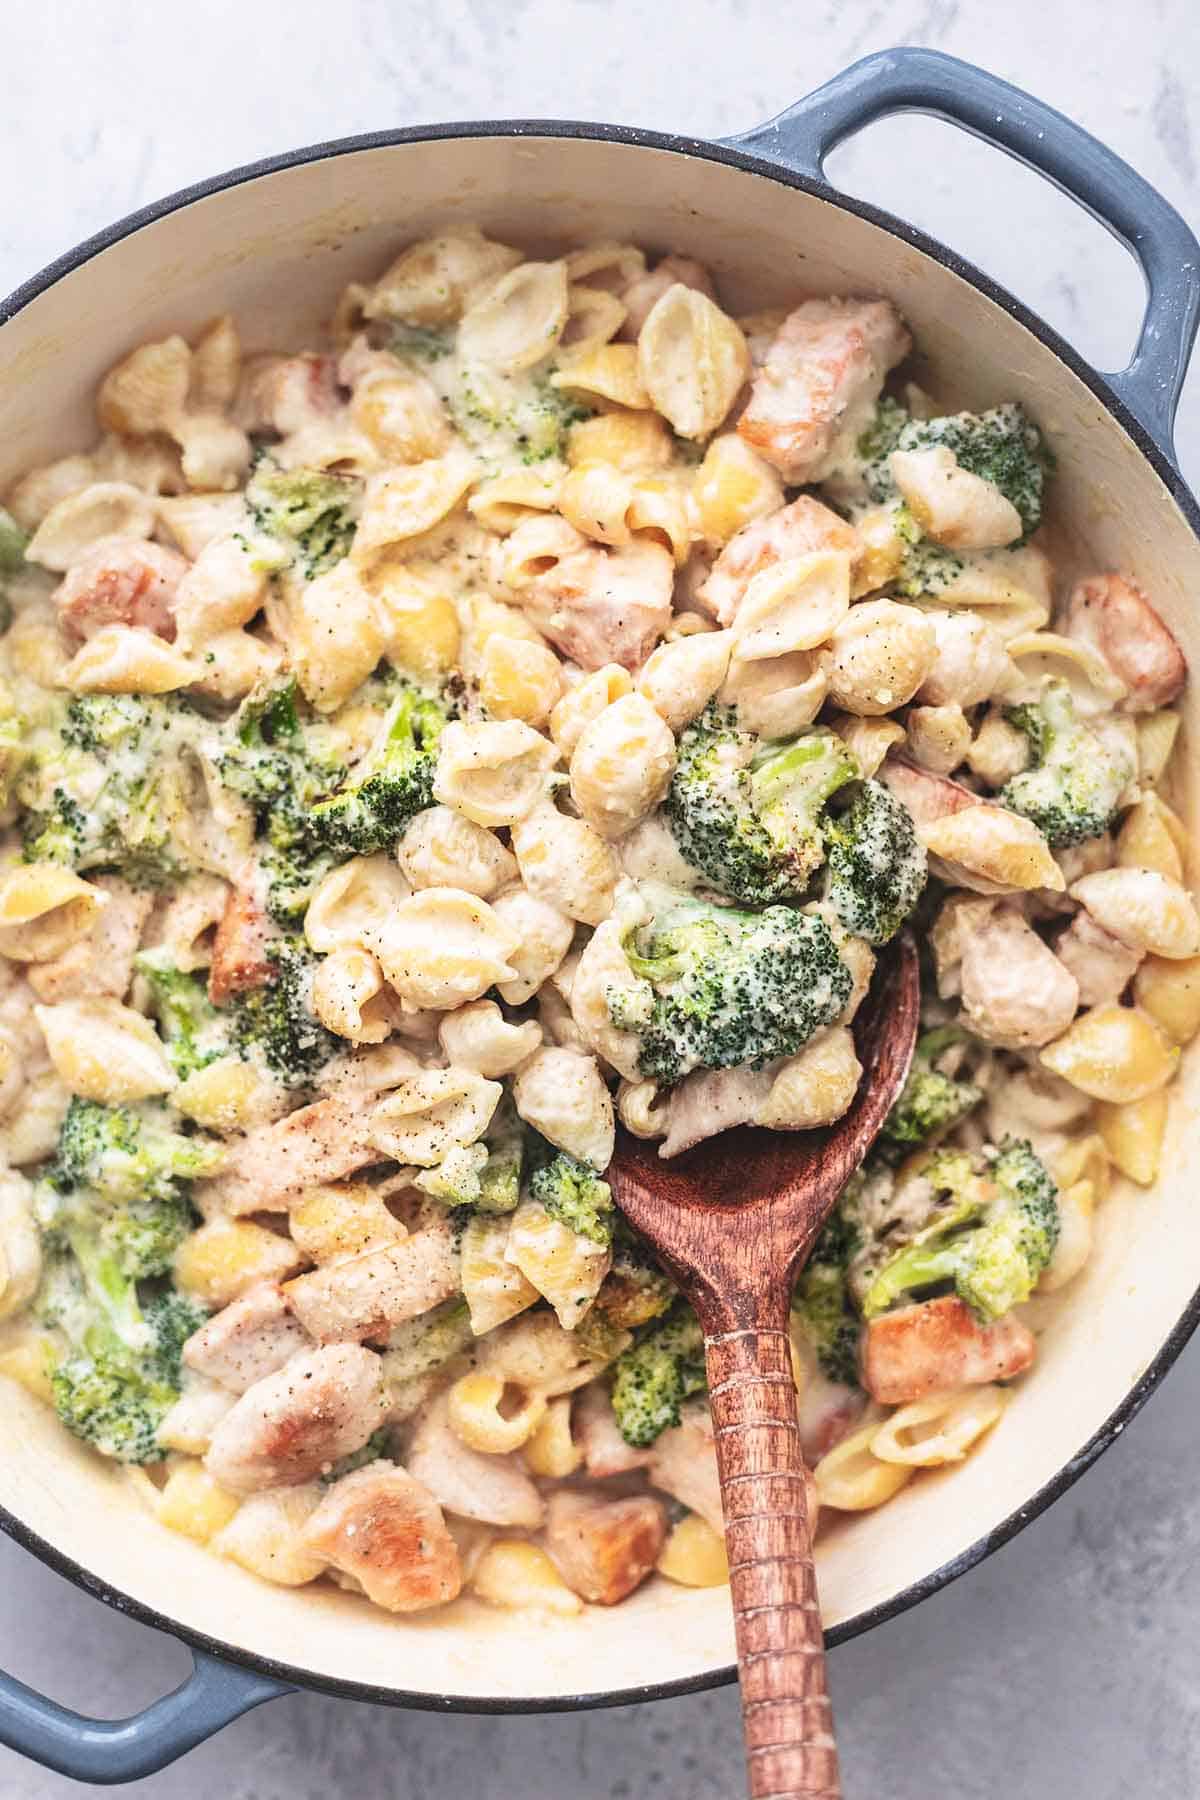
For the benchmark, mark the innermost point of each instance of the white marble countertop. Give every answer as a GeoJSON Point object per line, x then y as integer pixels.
{"type": "Point", "coordinates": [1069, 1661]}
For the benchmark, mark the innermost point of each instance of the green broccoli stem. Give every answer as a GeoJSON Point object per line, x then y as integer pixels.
{"type": "Point", "coordinates": [920, 1266]}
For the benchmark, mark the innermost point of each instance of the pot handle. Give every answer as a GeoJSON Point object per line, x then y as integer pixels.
{"type": "Point", "coordinates": [104, 1751]}
{"type": "Point", "coordinates": [928, 81]}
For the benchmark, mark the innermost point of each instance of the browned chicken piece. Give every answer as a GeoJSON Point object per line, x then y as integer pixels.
{"type": "Point", "coordinates": [796, 530]}
{"type": "Point", "coordinates": [939, 1344]}
{"type": "Point", "coordinates": [926, 796]}
{"type": "Point", "coordinates": [366, 1295]}
{"type": "Point", "coordinates": [816, 391]}
{"type": "Point", "coordinates": [101, 962]}
{"type": "Point", "coordinates": [496, 1490]}
{"type": "Point", "coordinates": [642, 295]}
{"type": "Point", "coordinates": [247, 1340]}
{"type": "Point", "coordinates": [594, 1428]}
{"type": "Point", "coordinates": [121, 581]}
{"type": "Point", "coordinates": [239, 953]}
{"type": "Point", "coordinates": [826, 1411]}
{"type": "Point", "coordinates": [1115, 618]}
{"type": "Point", "coordinates": [1016, 993]}
{"type": "Point", "coordinates": [285, 393]}
{"type": "Point", "coordinates": [598, 605]}
{"type": "Point", "coordinates": [273, 1165]}
{"type": "Point", "coordinates": [296, 1423]}
{"type": "Point", "coordinates": [1100, 963]}
{"type": "Point", "coordinates": [604, 1548]}
{"type": "Point", "coordinates": [387, 1531]}
{"type": "Point", "coordinates": [683, 1463]}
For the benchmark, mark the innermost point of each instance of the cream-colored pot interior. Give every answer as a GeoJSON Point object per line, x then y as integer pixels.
{"type": "Point", "coordinates": [276, 250]}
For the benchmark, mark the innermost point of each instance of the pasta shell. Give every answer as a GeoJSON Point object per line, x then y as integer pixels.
{"type": "Point", "coordinates": [44, 909]}
{"type": "Point", "coordinates": [792, 605]}
{"type": "Point", "coordinates": [105, 1051]}
{"type": "Point", "coordinates": [692, 359]}
{"type": "Point", "coordinates": [430, 1112]}
{"type": "Point", "coordinates": [125, 659]}
{"type": "Point", "coordinates": [443, 947]}
{"type": "Point", "coordinates": [1114, 1053]}
{"type": "Point", "coordinates": [518, 321]}
{"type": "Point", "coordinates": [100, 510]}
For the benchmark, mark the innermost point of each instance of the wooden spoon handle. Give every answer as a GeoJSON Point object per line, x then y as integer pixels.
{"type": "Point", "coordinates": [790, 1745]}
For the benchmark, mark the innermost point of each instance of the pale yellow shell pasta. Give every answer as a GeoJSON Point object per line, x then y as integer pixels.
{"type": "Point", "coordinates": [692, 359]}
{"type": "Point", "coordinates": [105, 1051]}
{"type": "Point", "coordinates": [493, 772]}
{"type": "Point", "coordinates": [939, 1429]}
{"type": "Point", "coordinates": [443, 947]}
{"type": "Point", "coordinates": [426, 1114]}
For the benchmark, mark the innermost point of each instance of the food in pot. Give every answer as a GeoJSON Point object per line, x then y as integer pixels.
{"type": "Point", "coordinates": [534, 708]}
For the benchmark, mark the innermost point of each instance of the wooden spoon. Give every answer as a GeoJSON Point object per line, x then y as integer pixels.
{"type": "Point", "coordinates": [734, 1221]}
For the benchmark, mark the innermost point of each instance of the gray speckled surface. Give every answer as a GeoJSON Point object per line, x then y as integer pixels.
{"type": "Point", "coordinates": [1070, 1660]}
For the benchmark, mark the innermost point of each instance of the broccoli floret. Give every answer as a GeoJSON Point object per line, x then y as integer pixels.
{"type": "Point", "coordinates": [1002, 445]}
{"type": "Point", "coordinates": [876, 444]}
{"type": "Point", "coordinates": [392, 784]}
{"type": "Point", "coordinates": [125, 1154]}
{"type": "Point", "coordinates": [190, 1024]}
{"type": "Point", "coordinates": [12, 544]}
{"type": "Point", "coordinates": [877, 864]}
{"type": "Point", "coordinates": [500, 1176]}
{"type": "Point", "coordinates": [109, 797]}
{"type": "Point", "coordinates": [379, 1444]}
{"type": "Point", "coordinates": [636, 1289]}
{"type": "Point", "coordinates": [425, 1343]}
{"type": "Point", "coordinates": [653, 1378]}
{"type": "Point", "coordinates": [933, 1102]}
{"type": "Point", "coordinates": [821, 1301]}
{"type": "Point", "coordinates": [423, 343]}
{"type": "Point", "coordinates": [309, 513]}
{"type": "Point", "coordinates": [1073, 790]}
{"type": "Point", "coordinates": [275, 1023]}
{"type": "Point", "coordinates": [726, 988]}
{"type": "Point", "coordinates": [277, 764]}
{"type": "Point", "coordinates": [926, 568]}
{"type": "Point", "coordinates": [989, 1241]}
{"type": "Point", "coordinates": [574, 1194]}
{"type": "Point", "coordinates": [749, 816]}
{"type": "Point", "coordinates": [497, 415]}
{"type": "Point", "coordinates": [116, 1374]}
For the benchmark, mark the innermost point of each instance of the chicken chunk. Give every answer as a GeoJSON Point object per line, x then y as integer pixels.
{"type": "Point", "coordinates": [595, 1429]}
{"type": "Point", "coordinates": [293, 1424]}
{"type": "Point", "coordinates": [1102, 966]}
{"type": "Point", "coordinates": [496, 1490]}
{"type": "Point", "coordinates": [815, 393]}
{"type": "Point", "coordinates": [920, 1349]}
{"type": "Point", "coordinates": [247, 1340]}
{"type": "Point", "coordinates": [826, 1411]}
{"type": "Point", "coordinates": [1015, 991]}
{"type": "Point", "coordinates": [239, 953]}
{"type": "Point", "coordinates": [595, 604]}
{"type": "Point", "coordinates": [642, 295]}
{"type": "Point", "coordinates": [1115, 618]}
{"type": "Point", "coordinates": [604, 1548]}
{"type": "Point", "coordinates": [121, 581]}
{"type": "Point", "coordinates": [283, 394]}
{"type": "Point", "coordinates": [387, 1531]}
{"type": "Point", "coordinates": [683, 1463]}
{"type": "Point", "coordinates": [273, 1165]}
{"type": "Point", "coordinates": [925, 796]}
{"type": "Point", "coordinates": [101, 962]}
{"type": "Point", "coordinates": [796, 530]}
{"type": "Point", "coordinates": [364, 1296]}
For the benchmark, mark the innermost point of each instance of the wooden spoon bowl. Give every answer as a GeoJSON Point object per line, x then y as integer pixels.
{"type": "Point", "coordinates": [734, 1220]}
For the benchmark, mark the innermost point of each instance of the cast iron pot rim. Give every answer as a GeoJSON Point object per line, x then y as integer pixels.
{"type": "Point", "coordinates": [706, 151]}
